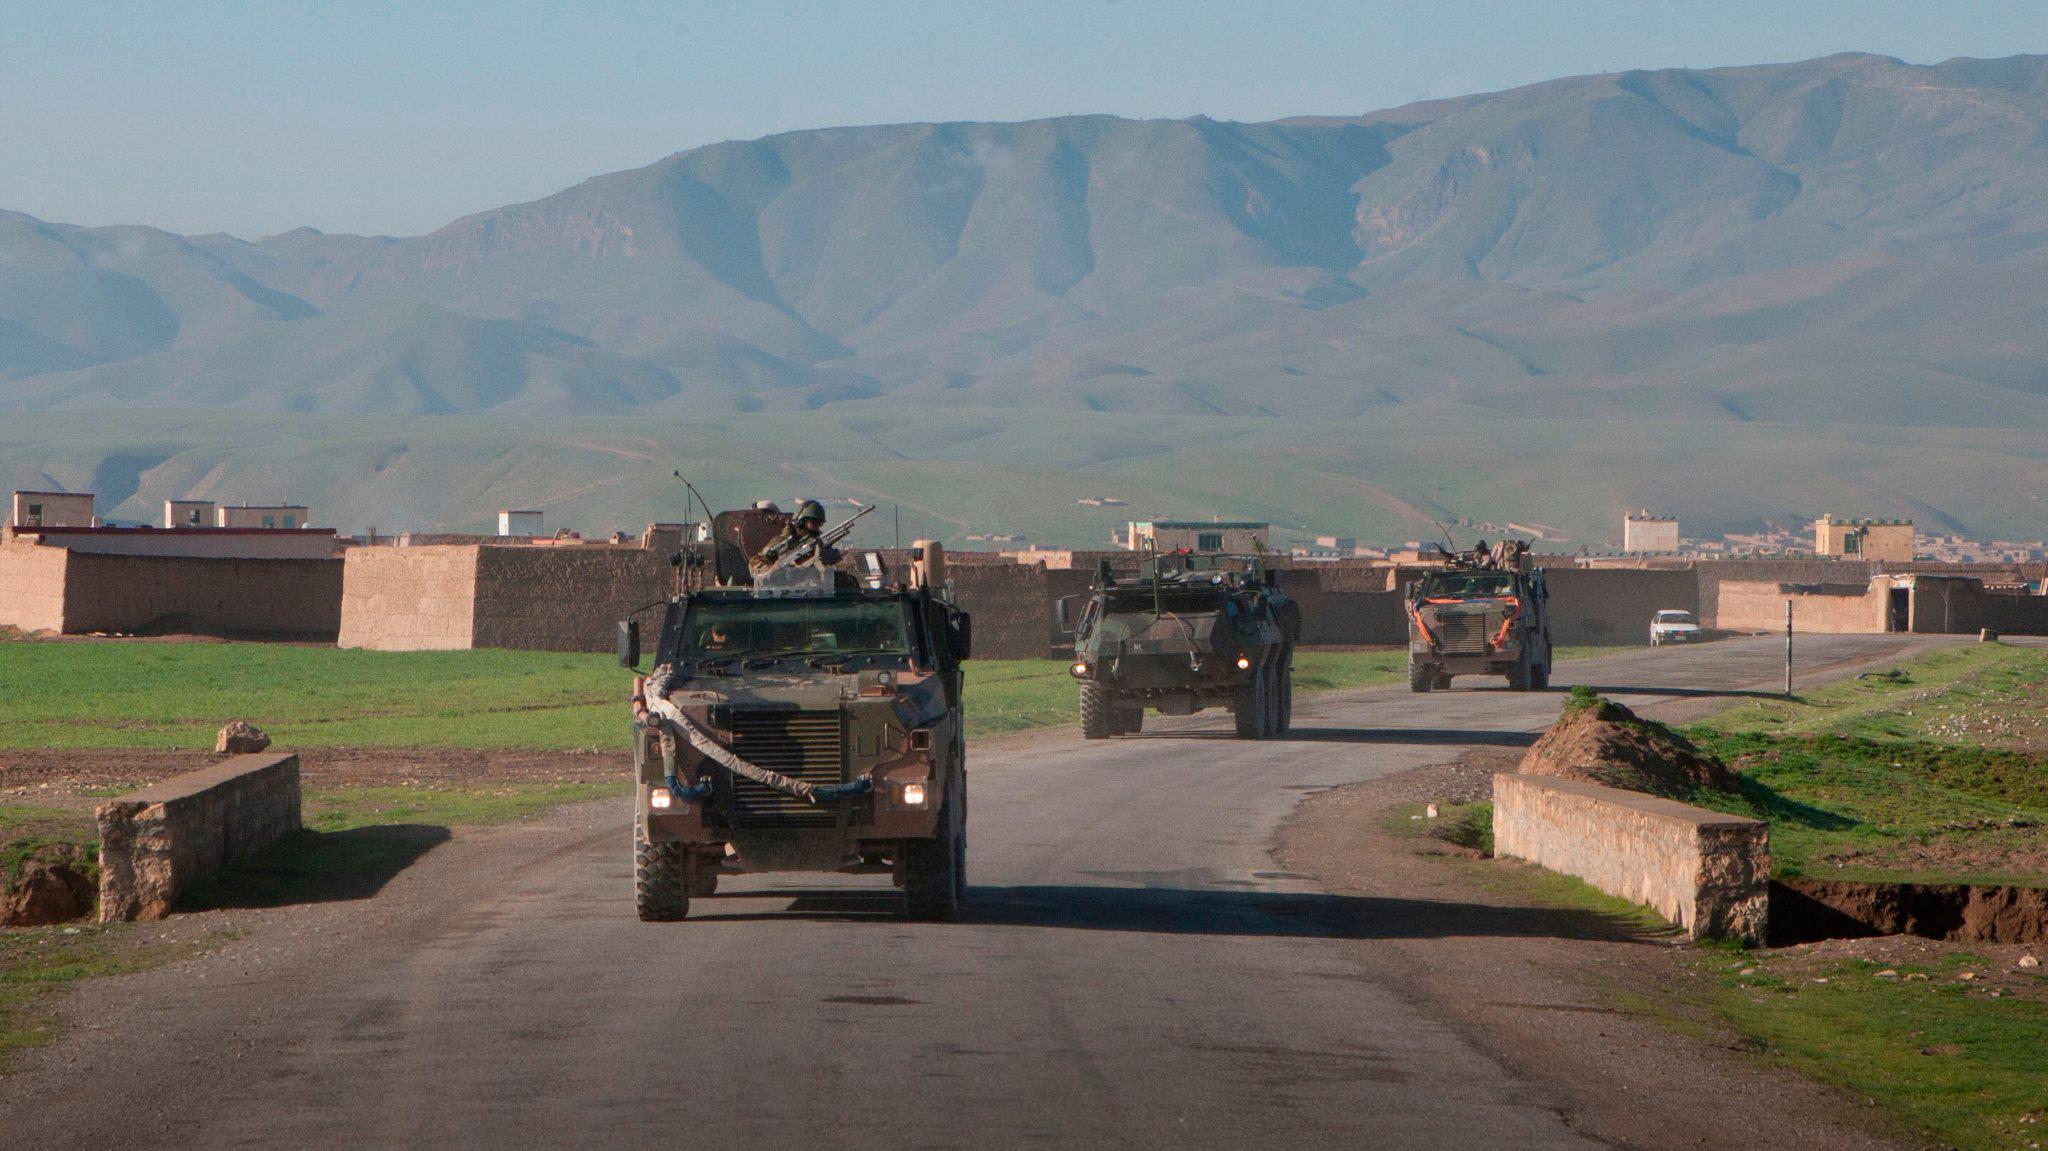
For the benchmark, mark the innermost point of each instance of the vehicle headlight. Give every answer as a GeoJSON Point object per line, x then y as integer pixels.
{"type": "Point", "coordinates": [913, 795]}
{"type": "Point", "coordinates": [1244, 663]}
{"type": "Point", "coordinates": [660, 798]}
{"type": "Point", "coordinates": [1080, 667]}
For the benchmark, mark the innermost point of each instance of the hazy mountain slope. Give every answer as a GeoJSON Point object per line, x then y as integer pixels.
{"type": "Point", "coordinates": [1738, 257]}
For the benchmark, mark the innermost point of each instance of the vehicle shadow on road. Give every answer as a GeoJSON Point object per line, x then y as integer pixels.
{"type": "Point", "coordinates": [1613, 689]}
{"type": "Point", "coordinates": [1428, 736]}
{"type": "Point", "coordinates": [1202, 911]}
{"type": "Point", "coordinates": [317, 867]}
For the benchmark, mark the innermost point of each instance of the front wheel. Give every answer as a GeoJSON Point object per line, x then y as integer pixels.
{"type": "Point", "coordinates": [1098, 720]}
{"type": "Point", "coordinates": [1539, 677]}
{"type": "Point", "coordinates": [1252, 697]}
{"type": "Point", "coordinates": [1286, 697]}
{"type": "Point", "coordinates": [1520, 675]}
{"type": "Point", "coordinates": [661, 889]}
{"type": "Point", "coordinates": [1420, 678]}
{"type": "Point", "coordinates": [934, 870]}
{"type": "Point", "coordinates": [1129, 720]}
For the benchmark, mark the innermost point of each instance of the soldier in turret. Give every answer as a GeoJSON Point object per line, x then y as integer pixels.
{"type": "Point", "coordinates": [804, 528]}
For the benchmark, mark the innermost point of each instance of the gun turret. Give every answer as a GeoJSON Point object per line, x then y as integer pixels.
{"type": "Point", "coordinates": [792, 550]}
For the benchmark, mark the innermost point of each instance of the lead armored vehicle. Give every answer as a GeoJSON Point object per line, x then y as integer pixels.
{"type": "Point", "coordinates": [1487, 612]}
{"type": "Point", "coordinates": [800, 718]}
{"type": "Point", "coordinates": [1188, 632]}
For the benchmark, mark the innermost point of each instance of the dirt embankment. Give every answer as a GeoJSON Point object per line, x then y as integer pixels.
{"type": "Point", "coordinates": [1600, 741]}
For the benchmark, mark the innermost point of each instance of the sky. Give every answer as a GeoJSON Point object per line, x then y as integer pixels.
{"type": "Point", "coordinates": [397, 118]}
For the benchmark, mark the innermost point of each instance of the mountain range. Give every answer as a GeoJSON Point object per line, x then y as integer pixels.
{"type": "Point", "coordinates": [1739, 295]}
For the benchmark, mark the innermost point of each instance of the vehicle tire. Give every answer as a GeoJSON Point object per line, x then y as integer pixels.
{"type": "Point", "coordinates": [1539, 677]}
{"type": "Point", "coordinates": [1273, 676]}
{"type": "Point", "coordinates": [932, 869]}
{"type": "Point", "coordinates": [661, 892]}
{"type": "Point", "coordinates": [1443, 681]}
{"type": "Point", "coordinates": [1420, 678]}
{"type": "Point", "coordinates": [1252, 695]}
{"type": "Point", "coordinates": [1129, 720]}
{"type": "Point", "coordinates": [702, 876]}
{"type": "Point", "coordinates": [1519, 676]}
{"type": "Point", "coordinates": [1097, 720]}
{"type": "Point", "coordinates": [1287, 696]}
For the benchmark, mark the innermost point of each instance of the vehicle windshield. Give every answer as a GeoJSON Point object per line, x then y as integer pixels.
{"type": "Point", "coordinates": [754, 628]}
{"type": "Point", "coordinates": [1674, 617]}
{"type": "Point", "coordinates": [1466, 585]}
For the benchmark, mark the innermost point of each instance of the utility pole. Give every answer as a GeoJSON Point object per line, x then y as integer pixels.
{"type": "Point", "coordinates": [1788, 649]}
{"type": "Point", "coordinates": [899, 526]}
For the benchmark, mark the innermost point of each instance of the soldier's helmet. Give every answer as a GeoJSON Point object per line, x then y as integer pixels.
{"type": "Point", "coordinates": [811, 510]}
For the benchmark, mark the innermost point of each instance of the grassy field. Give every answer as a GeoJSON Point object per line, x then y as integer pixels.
{"type": "Point", "coordinates": [176, 695]}
{"type": "Point", "coordinates": [1934, 771]}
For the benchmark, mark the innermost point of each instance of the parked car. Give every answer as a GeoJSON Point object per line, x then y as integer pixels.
{"type": "Point", "coordinates": [1673, 626]}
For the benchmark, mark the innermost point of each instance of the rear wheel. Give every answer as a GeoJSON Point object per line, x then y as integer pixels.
{"type": "Point", "coordinates": [1252, 696]}
{"type": "Point", "coordinates": [1097, 720]}
{"type": "Point", "coordinates": [1520, 676]}
{"type": "Point", "coordinates": [1539, 677]}
{"type": "Point", "coordinates": [934, 870]}
{"type": "Point", "coordinates": [1129, 720]}
{"type": "Point", "coordinates": [1287, 695]}
{"type": "Point", "coordinates": [661, 892]}
{"type": "Point", "coordinates": [1273, 677]}
{"type": "Point", "coordinates": [1420, 677]}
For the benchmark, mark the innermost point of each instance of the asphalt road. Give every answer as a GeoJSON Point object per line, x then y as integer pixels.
{"type": "Point", "coordinates": [1132, 972]}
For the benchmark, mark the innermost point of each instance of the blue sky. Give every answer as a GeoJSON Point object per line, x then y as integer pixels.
{"type": "Point", "coordinates": [255, 118]}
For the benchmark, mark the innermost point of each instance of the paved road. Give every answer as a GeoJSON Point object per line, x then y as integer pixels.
{"type": "Point", "coordinates": [1133, 973]}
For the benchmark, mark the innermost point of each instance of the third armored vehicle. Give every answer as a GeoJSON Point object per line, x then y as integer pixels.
{"type": "Point", "coordinates": [800, 719]}
{"type": "Point", "coordinates": [1189, 632]}
{"type": "Point", "coordinates": [1487, 612]}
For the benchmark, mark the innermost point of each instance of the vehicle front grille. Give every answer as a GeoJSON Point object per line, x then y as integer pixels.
{"type": "Point", "coordinates": [804, 745]}
{"type": "Point", "coordinates": [1463, 633]}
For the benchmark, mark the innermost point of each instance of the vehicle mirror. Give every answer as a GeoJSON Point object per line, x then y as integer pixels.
{"type": "Point", "coordinates": [629, 643]}
{"type": "Point", "coordinates": [962, 638]}
{"type": "Point", "coordinates": [1063, 614]}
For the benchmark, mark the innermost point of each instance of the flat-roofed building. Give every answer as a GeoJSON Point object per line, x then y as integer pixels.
{"type": "Point", "coordinates": [1884, 540]}
{"type": "Point", "coordinates": [1643, 532]}
{"type": "Point", "coordinates": [189, 514]}
{"type": "Point", "coordinates": [1234, 536]}
{"type": "Point", "coordinates": [260, 516]}
{"type": "Point", "coordinates": [520, 523]}
{"type": "Point", "coordinates": [52, 510]}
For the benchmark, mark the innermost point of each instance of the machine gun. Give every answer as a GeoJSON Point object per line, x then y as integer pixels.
{"type": "Point", "coordinates": [792, 550]}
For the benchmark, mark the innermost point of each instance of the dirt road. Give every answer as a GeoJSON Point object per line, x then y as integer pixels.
{"type": "Point", "coordinates": [1135, 971]}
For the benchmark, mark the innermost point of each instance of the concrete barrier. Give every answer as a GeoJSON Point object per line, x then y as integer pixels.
{"type": "Point", "coordinates": [155, 842]}
{"type": "Point", "coordinates": [1707, 872]}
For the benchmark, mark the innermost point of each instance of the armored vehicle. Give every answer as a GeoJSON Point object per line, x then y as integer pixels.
{"type": "Point", "coordinates": [1487, 612]}
{"type": "Point", "coordinates": [1189, 632]}
{"type": "Point", "coordinates": [800, 718]}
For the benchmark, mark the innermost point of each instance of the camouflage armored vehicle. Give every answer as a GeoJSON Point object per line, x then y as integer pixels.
{"type": "Point", "coordinates": [1189, 632]}
{"type": "Point", "coordinates": [1487, 612]}
{"type": "Point", "coordinates": [800, 718]}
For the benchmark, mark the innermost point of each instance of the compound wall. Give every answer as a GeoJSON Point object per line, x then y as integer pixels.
{"type": "Point", "coordinates": [409, 599]}
{"type": "Point", "coordinates": [567, 598]}
{"type": "Point", "coordinates": [1614, 605]}
{"type": "Point", "coordinates": [1758, 606]}
{"type": "Point", "coordinates": [32, 586]}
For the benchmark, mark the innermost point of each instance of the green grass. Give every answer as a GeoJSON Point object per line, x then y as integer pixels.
{"type": "Point", "coordinates": [1869, 779]}
{"type": "Point", "coordinates": [26, 832]}
{"type": "Point", "coordinates": [177, 695]}
{"type": "Point", "coordinates": [1938, 1053]}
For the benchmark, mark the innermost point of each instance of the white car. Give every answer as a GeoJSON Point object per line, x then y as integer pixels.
{"type": "Point", "coordinates": [1672, 626]}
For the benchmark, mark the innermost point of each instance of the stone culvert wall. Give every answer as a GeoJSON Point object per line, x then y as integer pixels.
{"type": "Point", "coordinates": [155, 842]}
{"type": "Point", "coordinates": [1706, 872]}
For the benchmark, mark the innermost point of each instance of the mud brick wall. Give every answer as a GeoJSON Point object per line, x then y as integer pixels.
{"type": "Point", "coordinates": [1706, 872]}
{"type": "Point", "coordinates": [155, 842]}
{"type": "Point", "coordinates": [409, 599]}
{"type": "Point", "coordinates": [2014, 614]}
{"type": "Point", "coordinates": [568, 599]}
{"type": "Point", "coordinates": [1346, 605]}
{"type": "Point", "coordinates": [1713, 575]}
{"type": "Point", "coordinates": [32, 586]}
{"type": "Point", "coordinates": [296, 597]}
{"type": "Point", "coordinates": [1760, 607]}
{"type": "Point", "coordinates": [1614, 605]}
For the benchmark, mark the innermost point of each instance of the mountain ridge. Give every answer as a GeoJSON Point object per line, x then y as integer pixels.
{"type": "Point", "coordinates": [1849, 240]}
